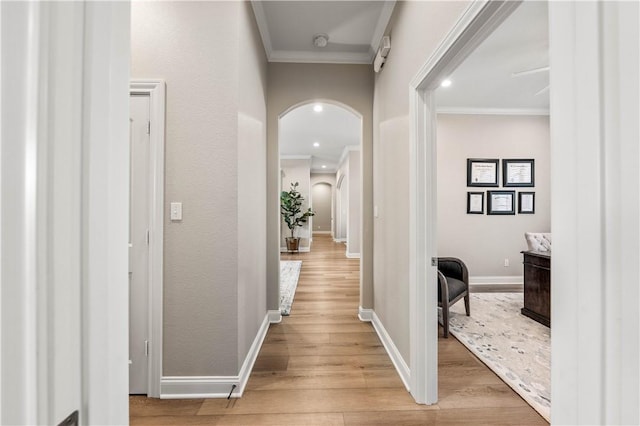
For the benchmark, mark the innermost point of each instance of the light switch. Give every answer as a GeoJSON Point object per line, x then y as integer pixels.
{"type": "Point", "coordinates": [176, 211]}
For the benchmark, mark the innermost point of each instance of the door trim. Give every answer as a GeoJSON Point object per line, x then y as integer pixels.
{"type": "Point", "coordinates": [155, 89]}
{"type": "Point", "coordinates": [475, 24]}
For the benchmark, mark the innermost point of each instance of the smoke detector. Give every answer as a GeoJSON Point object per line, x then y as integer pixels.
{"type": "Point", "coordinates": [320, 40]}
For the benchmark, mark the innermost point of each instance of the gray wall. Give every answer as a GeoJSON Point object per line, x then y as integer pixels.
{"type": "Point", "coordinates": [416, 29]}
{"type": "Point", "coordinates": [329, 178]}
{"type": "Point", "coordinates": [212, 122]}
{"type": "Point", "coordinates": [321, 198]}
{"type": "Point", "coordinates": [289, 85]}
{"type": "Point", "coordinates": [483, 241]}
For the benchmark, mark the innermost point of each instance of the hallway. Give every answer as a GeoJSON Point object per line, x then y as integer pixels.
{"type": "Point", "coordinates": [322, 365]}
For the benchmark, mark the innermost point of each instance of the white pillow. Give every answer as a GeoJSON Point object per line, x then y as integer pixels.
{"type": "Point", "coordinates": [538, 241]}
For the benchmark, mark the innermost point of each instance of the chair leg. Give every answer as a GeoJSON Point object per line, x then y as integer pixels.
{"type": "Point", "coordinates": [445, 320]}
{"type": "Point", "coordinates": [466, 305]}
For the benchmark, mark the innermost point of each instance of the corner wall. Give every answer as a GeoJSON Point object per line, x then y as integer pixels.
{"type": "Point", "coordinates": [214, 270]}
{"type": "Point", "coordinates": [416, 29]}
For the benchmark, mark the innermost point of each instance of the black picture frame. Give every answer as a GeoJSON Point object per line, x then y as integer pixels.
{"type": "Point", "coordinates": [527, 209]}
{"type": "Point", "coordinates": [501, 202]}
{"type": "Point", "coordinates": [483, 172]}
{"type": "Point", "coordinates": [472, 207]}
{"type": "Point", "coordinates": [518, 172]}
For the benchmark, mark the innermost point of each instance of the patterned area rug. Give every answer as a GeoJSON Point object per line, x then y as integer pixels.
{"type": "Point", "coordinates": [515, 347]}
{"type": "Point", "coordinates": [289, 274]}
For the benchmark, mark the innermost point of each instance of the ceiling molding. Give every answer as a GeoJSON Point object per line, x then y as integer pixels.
{"type": "Point", "coordinates": [381, 26]}
{"type": "Point", "coordinates": [320, 57]}
{"type": "Point", "coordinates": [295, 157]}
{"type": "Point", "coordinates": [493, 111]}
{"type": "Point", "coordinates": [346, 151]}
{"type": "Point", "coordinates": [261, 20]}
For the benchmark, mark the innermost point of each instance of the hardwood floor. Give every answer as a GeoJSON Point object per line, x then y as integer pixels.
{"type": "Point", "coordinates": [323, 366]}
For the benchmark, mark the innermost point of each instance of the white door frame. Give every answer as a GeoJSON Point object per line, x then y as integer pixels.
{"type": "Point", "coordinates": [155, 89]}
{"type": "Point", "coordinates": [476, 23]}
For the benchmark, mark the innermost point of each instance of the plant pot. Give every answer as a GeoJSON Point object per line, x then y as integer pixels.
{"type": "Point", "coordinates": [292, 244]}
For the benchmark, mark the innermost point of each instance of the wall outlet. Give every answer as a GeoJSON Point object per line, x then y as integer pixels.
{"type": "Point", "coordinates": [506, 263]}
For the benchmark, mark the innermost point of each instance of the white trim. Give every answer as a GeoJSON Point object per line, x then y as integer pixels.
{"type": "Point", "coordinates": [347, 149]}
{"type": "Point", "coordinates": [252, 355]}
{"type": "Point", "coordinates": [392, 350]}
{"type": "Point", "coordinates": [339, 240]}
{"type": "Point", "coordinates": [496, 280]}
{"type": "Point", "coordinates": [275, 316]}
{"type": "Point", "coordinates": [295, 157]}
{"type": "Point", "coordinates": [263, 28]}
{"type": "Point", "coordinates": [365, 315]}
{"type": "Point", "coordinates": [320, 57]}
{"type": "Point", "coordinates": [381, 26]}
{"type": "Point", "coordinates": [492, 111]}
{"type": "Point", "coordinates": [300, 250]}
{"type": "Point", "coordinates": [185, 387]}
{"type": "Point", "coordinates": [155, 89]}
{"type": "Point", "coordinates": [475, 24]}
{"type": "Point", "coordinates": [352, 255]}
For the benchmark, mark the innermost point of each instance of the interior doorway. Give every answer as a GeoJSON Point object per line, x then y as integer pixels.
{"type": "Point", "coordinates": [319, 148]}
{"type": "Point", "coordinates": [146, 218]}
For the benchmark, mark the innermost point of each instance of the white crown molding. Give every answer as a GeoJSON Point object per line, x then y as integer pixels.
{"type": "Point", "coordinates": [392, 350]}
{"type": "Point", "coordinates": [263, 28]}
{"type": "Point", "coordinates": [347, 149]}
{"type": "Point", "coordinates": [303, 56]}
{"type": "Point", "coordinates": [492, 111]}
{"type": "Point", "coordinates": [295, 157]}
{"type": "Point", "coordinates": [381, 26]}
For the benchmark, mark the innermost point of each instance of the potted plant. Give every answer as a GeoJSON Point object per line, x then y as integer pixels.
{"type": "Point", "coordinates": [293, 215]}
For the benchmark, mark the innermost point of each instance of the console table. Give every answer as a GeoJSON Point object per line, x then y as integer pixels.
{"type": "Point", "coordinates": [537, 287]}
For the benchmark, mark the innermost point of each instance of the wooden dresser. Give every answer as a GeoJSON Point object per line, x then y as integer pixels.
{"type": "Point", "coordinates": [537, 287]}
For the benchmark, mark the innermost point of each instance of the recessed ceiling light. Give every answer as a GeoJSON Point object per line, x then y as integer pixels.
{"type": "Point", "coordinates": [317, 107]}
{"type": "Point", "coordinates": [324, 166]}
{"type": "Point", "coordinates": [316, 144]}
{"type": "Point", "coordinates": [445, 83]}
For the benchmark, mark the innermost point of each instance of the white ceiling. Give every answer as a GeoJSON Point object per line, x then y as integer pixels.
{"type": "Point", "coordinates": [355, 29]}
{"type": "Point", "coordinates": [334, 128]}
{"type": "Point", "coordinates": [484, 82]}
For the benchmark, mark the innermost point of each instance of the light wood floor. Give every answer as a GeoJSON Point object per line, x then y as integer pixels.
{"type": "Point", "coordinates": [322, 366]}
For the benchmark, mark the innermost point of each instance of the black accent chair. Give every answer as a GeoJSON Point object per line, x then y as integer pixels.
{"type": "Point", "coordinates": [453, 285]}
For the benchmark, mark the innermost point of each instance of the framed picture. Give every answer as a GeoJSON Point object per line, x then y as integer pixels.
{"type": "Point", "coordinates": [501, 202]}
{"type": "Point", "coordinates": [482, 172]}
{"type": "Point", "coordinates": [475, 202]}
{"type": "Point", "coordinates": [518, 172]}
{"type": "Point", "coordinates": [526, 202]}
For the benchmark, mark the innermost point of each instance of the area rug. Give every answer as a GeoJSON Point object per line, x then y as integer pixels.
{"type": "Point", "coordinates": [515, 347]}
{"type": "Point", "coordinates": [289, 274]}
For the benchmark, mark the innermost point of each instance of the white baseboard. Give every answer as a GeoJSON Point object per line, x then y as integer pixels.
{"type": "Point", "coordinates": [352, 255]}
{"type": "Point", "coordinates": [275, 316]}
{"type": "Point", "coordinates": [339, 240]}
{"type": "Point", "coordinates": [300, 250]}
{"type": "Point", "coordinates": [322, 232]}
{"type": "Point", "coordinates": [365, 315]}
{"type": "Point", "coordinates": [190, 387]}
{"type": "Point", "coordinates": [392, 350]}
{"type": "Point", "coordinates": [497, 280]}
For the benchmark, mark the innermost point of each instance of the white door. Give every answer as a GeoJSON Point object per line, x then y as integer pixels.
{"type": "Point", "coordinates": [139, 246]}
